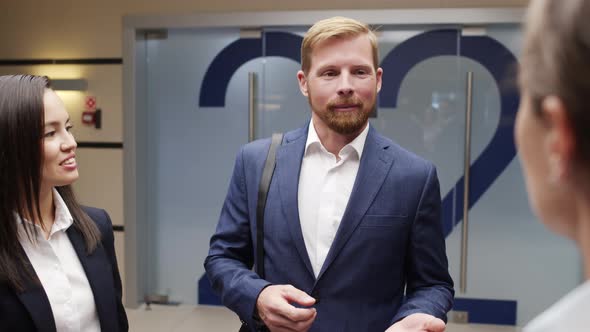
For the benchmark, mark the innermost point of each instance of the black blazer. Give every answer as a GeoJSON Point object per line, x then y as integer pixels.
{"type": "Point", "coordinates": [30, 310]}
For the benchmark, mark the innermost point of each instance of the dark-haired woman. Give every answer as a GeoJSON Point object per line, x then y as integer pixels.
{"type": "Point", "coordinates": [58, 270]}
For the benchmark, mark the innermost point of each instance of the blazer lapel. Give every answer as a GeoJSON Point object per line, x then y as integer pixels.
{"type": "Point", "coordinates": [35, 300]}
{"type": "Point", "coordinates": [288, 166]}
{"type": "Point", "coordinates": [99, 277]}
{"type": "Point", "coordinates": [374, 166]}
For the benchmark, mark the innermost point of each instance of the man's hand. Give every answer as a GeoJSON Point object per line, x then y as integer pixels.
{"type": "Point", "coordinates": [277, 313]}
{"type": "Point", "coordinates": [418, 323]}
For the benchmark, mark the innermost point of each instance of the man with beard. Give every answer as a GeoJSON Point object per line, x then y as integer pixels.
{"type": "Point", "coordinates": [351, 220]}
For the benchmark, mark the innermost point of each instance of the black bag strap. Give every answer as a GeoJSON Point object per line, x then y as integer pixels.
{"type": "Point", "coordinates": [267, 172]}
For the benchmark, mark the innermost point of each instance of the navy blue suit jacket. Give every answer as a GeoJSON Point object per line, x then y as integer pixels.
{"type": "Point", "coordinates": [30, 310]}
{"type": "Point", "coordinates": [390, 238]}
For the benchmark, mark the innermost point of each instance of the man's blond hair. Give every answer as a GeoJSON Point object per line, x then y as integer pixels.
{"type": "Point", "coordinates": [331, 28]}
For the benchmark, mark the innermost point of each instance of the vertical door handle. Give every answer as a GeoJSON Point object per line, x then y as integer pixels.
{"type": "Point", "coordinates": [251, 105]}
{"type": "Point", "coordinates": [466, 177]}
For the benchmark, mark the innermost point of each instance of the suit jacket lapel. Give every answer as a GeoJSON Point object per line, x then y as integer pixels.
{"type": "Point", "coordinates": [35, 300]}
{"type": "Point", "coordinates": [99, 276]}
{"type": "Point", "coordinates": [288, 166]}
{"type": "Point", "coordinates": [374, 166]}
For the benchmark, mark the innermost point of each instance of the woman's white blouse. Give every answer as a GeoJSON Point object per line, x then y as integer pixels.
{"type": "Point", "coordinates": [63, 278]}
{"type": "Point", "coordinates": [570, 314]}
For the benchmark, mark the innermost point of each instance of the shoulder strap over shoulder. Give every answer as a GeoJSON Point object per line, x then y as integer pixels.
{"type": "Point", "coordinates": [267, 172]}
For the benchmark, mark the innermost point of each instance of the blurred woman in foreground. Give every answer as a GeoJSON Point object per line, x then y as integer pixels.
{"type": "Point", "coordinates": [553, 139]}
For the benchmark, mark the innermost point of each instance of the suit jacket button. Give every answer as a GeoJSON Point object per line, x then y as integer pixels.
{"type": "Point", "coordinates": [316, 296]}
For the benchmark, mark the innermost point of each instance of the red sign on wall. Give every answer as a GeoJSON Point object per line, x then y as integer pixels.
{"type": "Point", "coordinates": [90, 103]}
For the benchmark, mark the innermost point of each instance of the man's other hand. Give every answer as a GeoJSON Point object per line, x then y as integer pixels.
{"type": "Point", "coordinates": [418, 323]}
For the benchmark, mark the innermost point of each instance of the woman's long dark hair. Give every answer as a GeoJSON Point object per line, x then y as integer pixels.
{"type": "Point", "coordinates": [21, 163]}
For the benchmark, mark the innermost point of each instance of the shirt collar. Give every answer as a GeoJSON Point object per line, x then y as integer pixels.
{"type": "Point", "coordinates": [63, 217]}
{"type": "Point", "coordinates": [357, 144]}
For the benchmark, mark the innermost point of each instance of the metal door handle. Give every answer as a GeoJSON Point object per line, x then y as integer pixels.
{"type": "Point", "coordinates": [466, 175]}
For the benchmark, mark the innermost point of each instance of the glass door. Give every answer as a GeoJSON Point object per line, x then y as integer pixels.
{"type": "Point", "coordinates": [197, 111]}
{"type": "Point", "coordinates": [514, 267]}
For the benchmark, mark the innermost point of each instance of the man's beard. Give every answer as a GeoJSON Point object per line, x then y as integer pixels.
{"type": "Point", "coordinates": [344, 122]}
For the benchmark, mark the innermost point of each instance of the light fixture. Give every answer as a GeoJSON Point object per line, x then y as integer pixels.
{"type": "Point", "coordinates": [75, 84]}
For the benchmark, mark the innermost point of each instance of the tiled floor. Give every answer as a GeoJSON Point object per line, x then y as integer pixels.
{"type": "Point", "coordinates": [209, 318]}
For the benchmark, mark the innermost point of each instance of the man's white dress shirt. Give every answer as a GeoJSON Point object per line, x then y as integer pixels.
{"type": "Point", "coordinates": [325, 184]}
